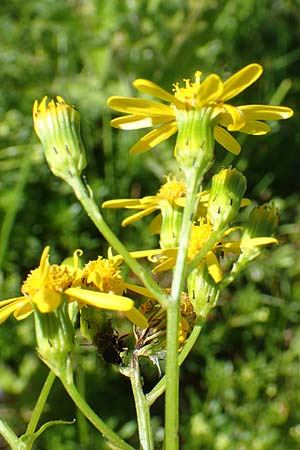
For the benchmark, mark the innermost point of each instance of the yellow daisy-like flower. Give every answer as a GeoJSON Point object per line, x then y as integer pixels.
{"type": "Point", "coordinates": [201, 232]}
{"type": "Point", "coordinates": [170, 194]}
{"type": "Point", "coordinates": [212, 93]}
{"type": "Point", "coordinates": [105, 276]}
{"type": "Point", "coordinates": [47, 285]}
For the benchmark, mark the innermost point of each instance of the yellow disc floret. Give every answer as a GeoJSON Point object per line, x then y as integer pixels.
{"type": "Point", "coordinates": [105, 275]}
{"type": "Point", "coordinates": [172, 190]}
{"type": "Point", "coordinates": [189, 93]}
{"type": "Point", "coordinates": [200, 234]}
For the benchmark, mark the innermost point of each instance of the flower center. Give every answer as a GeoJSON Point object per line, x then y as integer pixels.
{"type": "Point", "coordinates": [172, 190]}
{"type": "Point", "coordinates": [58, 279]}
{"type": "Point", "coordinates": [200, 234]}
{"type": "Point", "coordinates": [189, 93]}
{"type": "Point", "coordinates": [104, 274]}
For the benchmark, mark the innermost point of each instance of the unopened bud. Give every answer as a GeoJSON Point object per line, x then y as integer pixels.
{"type": "Point", "coordinates": [58, 127]}
{"type": "Point", "coordinates": [228, 188]}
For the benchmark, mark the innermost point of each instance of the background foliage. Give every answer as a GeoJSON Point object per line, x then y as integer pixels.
{"type": "Point", "coordinates": [240, 387]}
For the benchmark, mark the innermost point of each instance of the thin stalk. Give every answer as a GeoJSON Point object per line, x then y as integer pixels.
{"type": "Point", "coordinates": [88, 203]}
{"type": "Point", "coordinates": [141, 405]}
{"type": "Point", "coordinates": [115, 440]}
{"type": "Point", "coordinates": [40, 404]}
{"type": "Point", "coordinates": [194, 153]}
{"type": "Point", "coordinates": [82, 423]}
{"type": "Point", "coordinates": [9, 435]}
{"type": "Point", "coordinates": [173, 311]}
{"type": "Point", "coordinates": [160, 387]}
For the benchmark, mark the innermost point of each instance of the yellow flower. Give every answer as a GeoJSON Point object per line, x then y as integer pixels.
{"type": "Point", "coordinates": [47, 285]}
{"type": "Point", "coordinates": [201, 232]}
{"type": "Point", "coordinates": [212, 93]}
{"type": "Point", "coordinates": [170, 193]}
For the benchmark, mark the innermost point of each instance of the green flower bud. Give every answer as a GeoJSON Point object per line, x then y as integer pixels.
{"type": "Point", "coordinates": [228, 188]}
{"type": "Point", "coordinates": [263, 221]}
{"type": "Point", "coordinates": [203, 291]}
{"type": "Point", "coordinates": [58, 127]}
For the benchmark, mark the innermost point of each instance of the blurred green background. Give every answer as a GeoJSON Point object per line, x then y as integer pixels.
{"type": "Point", "coordinates": [240, 387]}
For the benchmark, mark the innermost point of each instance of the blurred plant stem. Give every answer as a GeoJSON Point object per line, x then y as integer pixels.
{"type": "Point", "coordinates": [12, 208]}
{"type": "Point", "coordinates": [8, 434]}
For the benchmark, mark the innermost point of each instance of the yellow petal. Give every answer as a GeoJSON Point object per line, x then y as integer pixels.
{"type": "Point", "coordinates": [10, 300]}
{"type": "Point", "coordinates": [156, 91]}
{"type": "Point", "coordinates": [255, 127]}
{"type": "Point", "coordinates": [136, 122]}
{"type": "Point", "coordinates": [249, 243]}
{"type": "Point", "coordinates": [226, 140]}
{"type": "Point", "coordinates": [149, 199]}
{"type": "Point", "coordinates": [137, 216]}
{"type": "Point", "coordinates": [266, 112]}
{"type": "Point", "coordinates": [210, 90]}
{"type": "Point", "coordinates": [139, 106]}
{"type": "Point", "coordinates": [241, 80]}
{"type": "Point", "coordinates": [43, 105]}
{"type": "Point", "coordinates": [139, 290]}
{"type": "Point", "coordinates": [155, 137]}
{"type": "Point", "coordinates": [150, 253]}
{"type": "Point", "coordinates": [136, 317]}
{"type": "Point", "coordinates": [101, 299]}
{"type": "Point", "coordinates": [237, 117]}
{"type": "Point", "coordinates": [168, 264]}
{"type": "Point", "coordinates": [214, 267]}
{"type": "Point", "coordinates": [10, 307]}
{"type": "Point", "coordinates": [155, 225]}
{"type": "Point", "coordinates": [121, 203]}
{"type": "Point", "coordinates": [245, 202]}
{"type": "Point", "coordinates": [23, 311]}
{"type": "Point", "coordinates": [46, 299]}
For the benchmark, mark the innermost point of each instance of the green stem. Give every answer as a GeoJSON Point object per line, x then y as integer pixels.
{"type": "Point", "coordinates": [116, 442]}
{"type": "Point", "coordinates": [194, 153]}
{"type": "Point", "coordinates": [160, 387]}
{"type": "Point", "coordinates": [173, 311]}
{"type": "Point", "coordinates": [141, 405]}
{"type": "Point", "coordinates": [82, 423]}
{"type": "Point", "coordinates": [87, 201]}
{"type": "Point", "coordinates": [8, 434]}
{"type": "Point", "coordinates": [39, 407]}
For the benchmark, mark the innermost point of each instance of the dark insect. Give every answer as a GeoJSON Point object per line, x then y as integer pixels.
{"type": "Point", "coordinates": [109, 345]}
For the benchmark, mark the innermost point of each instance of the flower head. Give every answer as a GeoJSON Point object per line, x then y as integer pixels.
{"type": "Point", "coordinates": [211, 93]}
{"type": "Point", "coordinates": [48, 286]}
{"type": "Point", "coordinates": [58, 127]}
{"type": "Point", "coordinates": [200, 235]}
{"type": "Point", "coordinates": [168, 201]}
